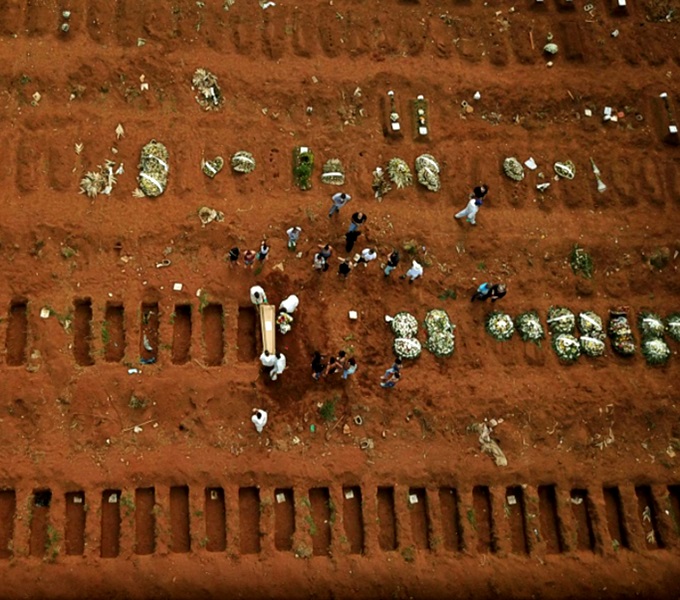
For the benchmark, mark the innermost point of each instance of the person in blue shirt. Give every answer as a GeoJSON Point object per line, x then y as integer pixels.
{"type": "Point", "coordinates": [487, 290]}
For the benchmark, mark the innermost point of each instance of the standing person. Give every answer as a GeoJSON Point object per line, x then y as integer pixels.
{"type": "Point", "coordinates": [339, 200]}
{"type": "Point", "coordinates": [257, 295]}
{"type": "Point", "coordinates": [367, 255]}
{"type": "Point", "coordinates": [486, 290]}
{"type": "Point", "coordinates": [414, 272]}
{"type": "Point", "coordinates": [318, 366]}
{"type": "Point", "coordinates": [391, 380]}
{"type": "Point", "coordinates": [350, 239]}
{"type": "Point", "coordinates": [320, 263]}
{"type": "Point", "coordinates": [326, 250]}
{"type": "Point", "coordinates": [345, 267]}
{"type": "Point", "coordinates": [267, 359]}
{"type": "Point", "coordinates": [395, 368]}
{"type": "Point", "coordinates": [264, 250]}
{"type": "Point", "coordinates": [293, 237]}
{"type": "Point", "coordinates": [249, 258]}
{"type": "Point", "coordinates": [290, 304]}
{"type": "Point", "coordinates": [470, 211]}
{"type": "Point", "coordinates": [358, 219]}
{"type": "Point", "coordinates": [259, 419]}
{"type": "Point", "coordinates": [234, 253]}
{"type": "Point", "coordinates": [279, 367]}
{"type": "Point", "coordinates": [350, 368]}
{"type": "Point", "coordinates": [392, 262]}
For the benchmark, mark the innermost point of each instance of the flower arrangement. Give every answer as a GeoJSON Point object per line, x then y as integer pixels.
{"type": "Point", "coordinates": [620, 333]}
{"type": "Point", "coordinates": [566, 347]}
{"type": "Point", "coordinates": [673, 326]}
{"type": "Point", "coordinates": [404, 325]}
{"type": "Point", "coordinates": [581, 262]}
{"type": "Point", "coordinates": [153, 169]}
{"type": "Point", "coordinates": [303, 165]}
{"type": "Point", "coordinates": [561, 320]}
{"type": "Point", "coordinates": [591, 346]}
{"type": "Point", "coordinates": [500, 325]}
{"type": "Point", "coordinates": [399, 173]}
{"type": "Point", "coordinates": [209, 93]}
{"type": "Point", "coordinates": [655, 350]}
{"type": "Point", "coordinates": [333, 172]}
{"type": "Point", "coordinates": [590, 323]}
{"type": "Point", "coordinates": [529, 327]}
{"type": "Point", "coordinates": [380, 185]}
{"type": "Point", "coordinates": [243, 162]}
{"type": "Point", "coordinates": [212, 167]}
{"type": "Point", "coordinates": [440, 333]}
{"type": "Point", "coordinates": [513, 168]}
{"type": "Point", "coordinates": [651, 325]}
{"type": "Point", "coordinates": [407, 347]}
{"type": "Point", "coordinates": [427, 169]}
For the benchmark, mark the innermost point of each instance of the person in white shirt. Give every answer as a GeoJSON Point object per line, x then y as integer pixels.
{"type": "Point", "coordinates": [367, 255]}
{"type": "Point", "coordinates": [293, 237]}
{"type": "Point", "coordinates": [257, 295]}
{"type": "Point", "coordinates": [279, 367]}
{"type": "Point", "coordinates": [339, 200]}
{"type": "Point", "coordinates": [470, 211]}
{"type": "Point", "coordinates": [414, 272]}
{"type": "Point", "coordinates": [290, 304]}
{"type": "Point", "coordinates": [267, 359]}
{"type": "Point", "coordinates": [259, 419]}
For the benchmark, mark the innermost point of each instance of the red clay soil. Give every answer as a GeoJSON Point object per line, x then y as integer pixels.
{"type": "Point", "coordinates": [589, 503]}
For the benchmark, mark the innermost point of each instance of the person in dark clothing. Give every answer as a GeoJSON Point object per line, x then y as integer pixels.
{"type": "Point", "coordinates": [480, 191]}
{"type": "Point", "coordinates": [318, 366]}
{"type": "Point", "coordinates": [392, 262]}
{"type": "Point", "coordinates": [333, 367]}
{"type": "Point", "coordinates": [345, 267]}
{"type": "Point", "coordinates": [234, 253]}
{"type": "Point", "coordinates": [486, 290]}
{"type": "Point", "coordinates": [350, 238]}
{"type": "Point", "coordinates": [358, 219]}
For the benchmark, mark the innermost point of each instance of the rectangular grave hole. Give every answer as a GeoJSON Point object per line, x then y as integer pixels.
{"type": "Point", "coordinates": [387, 520]}
{"type": "Point", "coordinates": [674, 500]}
{"type": "Point", "coordinates": [82, 332]}
{"type": "Point", "coordinates": [615, 519]}
{"type": "Point", "coordinates": [8, 509]}
{"type": "Point", "coordinates": [180, 535]}
{"type": "Point", "coordinates": [549, 519]}
{"type": "Point", "coordinates": [113, 332]}
{"type": "Point", "coordinates": [248, 333]}
{"type": "Point", "coordinates": [74, 535]}
{"type": "Point", "coordinates": [213, 334]}
{"type": "Point", "coordinates": [148, 342]}
{"type": "Point", "coordinates": [353, 518]}
{"type": "Point", "coordinates": [515, 511]}
{"type": "Point", "coordinates": [145, 520]}
{"type": "Point", "coordinates": [284, 518]}
{"type": "Point", "coordinates": [320, 520]}
{"type": "Point", "coordinates": [451, 525]}
{"type": "Point", "coordinates": [40, 515]}
{"type": "Point", "coordinates": [648, 513]}
{"type": "Point", "coordinates": [249, 520]}
{"type": "Point", "coordinates": [420, 518]}
{"type": "Point", "coordinates": [482, 519]}
{"type": "Point", "coordinates": [215, 520]}
{"type": "Point", "coordinates": [181, 334]}
{"type": "Point", "coordinates": [580, 507]}
{"type": "Point", "coordinates": [110, 534]}
{"type": "Point", "coordinates": [17, 333]}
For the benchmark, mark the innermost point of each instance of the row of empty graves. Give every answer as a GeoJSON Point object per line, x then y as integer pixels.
{"type": "Point", "coordinates": [321, 521]}
{"type": "Point", "coordinates": [139, 335]}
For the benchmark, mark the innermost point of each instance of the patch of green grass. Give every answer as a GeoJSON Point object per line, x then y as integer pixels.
{"type": "Point", "coordinates": [137, 403]}
{"type": "Point", "coordinates": [481, 266]}
{"type": "Point", "coordinates": [448, 294]}
{"type": "Point", "coordinates": [327, 410]}
{"type": "Point", "coordinates": [409, 554]}
{"type": "Point", "coordinates": [472, 519]}
{"type": "Point", "coordinates": [202, 301]}
{"type": "Point", "coordinates": [52, 544]}
{"type": "Point", "coordinates": [128, 503]}
{"type": "Point", "coordinates": [581, 262]}
{"type": "Point", "coordinates": [312, 525]}
{"type": "Point", "coordinates": [67, 252]}
{"type": "Point", "coordinates": [106, 336]}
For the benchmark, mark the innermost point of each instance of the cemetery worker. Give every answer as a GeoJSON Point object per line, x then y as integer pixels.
{"type": "Point", "coordinates": [367, 255]}
{"type": "Point", "coordinates": [318, 366]}
{"type": "Point", "coordinates": [290, 304]}
{"type": "Point", "coordinates": [259, 419]}
{"type": "Point", "coordinates": [350, 368]}
{"type": "Point", "coordinates": [358, 219]}
{"type": "Point", "coordinates": [486, 290]}
{"type": "Point", "coordinates": [249, 257]}
{"type": "Point", "coordinates": [267, 359]}
{"type": "Point", "coordinates": [293, 237]}
{"type": "Point", "coordinates": [470, 211]}
{"type": "Point", "coordinates": [350, 239]}
{"type": "Point", "coordinates": [414, 272]}
{"type": "Point", "coordinates": [319, 263]}
{"type": "Point", "coordinates": [392, 262]}
{"type": "Point", "coordinates": [339, 200]}
{"type": "Point", "coordinates": [391, 380]}
{"type": "Point", "coordinates": [257, 295]}
{"type": "Point", "coordinates": [345, 267]}
{"type": "Point", "coordinates": [264, 250]}
{"type": "Point", "coordinates": [234, 253]}
{"type": "Point", "coordinates": [279, 367]}
{"type": "Point", "coordinates": [480, 191]}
